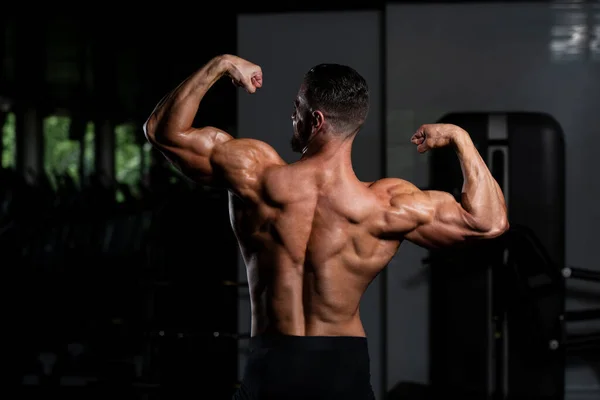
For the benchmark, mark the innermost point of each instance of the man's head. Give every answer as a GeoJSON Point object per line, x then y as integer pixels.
{"type": "Point", "coordinates": [333, 99]}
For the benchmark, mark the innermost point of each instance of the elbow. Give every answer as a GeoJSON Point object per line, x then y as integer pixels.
{"type": "Point", "coordinates": [498, 227]}
{"type": "Point", "coordinates": [149, 129]}
{"type": "Point", "coordinates": [156, 133]}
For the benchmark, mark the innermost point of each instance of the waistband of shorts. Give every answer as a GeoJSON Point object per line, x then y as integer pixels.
{"type": "Point", "coordinates": [266, 341]}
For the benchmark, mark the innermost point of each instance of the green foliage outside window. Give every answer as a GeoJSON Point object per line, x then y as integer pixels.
{"type": "Point", "coordinates": [61, 155]}
{"type": "Point", "coordinates": [128, 155]}
{"type": "Point", "coordinates": [9, 141]}
{"type": "Point", "coordinates": [89, 147]}
{"type": "Point", "coordinates": [131, 157]}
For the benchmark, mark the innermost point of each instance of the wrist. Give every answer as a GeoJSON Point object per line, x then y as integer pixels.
{"type": "Point", "coordinates": [223, 63]}
{"type": "Point", "coordinates": [460, 138]}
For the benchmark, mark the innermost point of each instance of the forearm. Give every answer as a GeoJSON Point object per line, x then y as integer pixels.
{"type": "Point", "coordinates": [481, 197]}
{"type": "Point", "coordinates": [175, 113]}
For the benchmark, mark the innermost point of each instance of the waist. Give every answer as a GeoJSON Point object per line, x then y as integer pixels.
{"type": "Point", "coordinates": [280, 341]}
{"type": "Point", "coordinates": [308, 367]}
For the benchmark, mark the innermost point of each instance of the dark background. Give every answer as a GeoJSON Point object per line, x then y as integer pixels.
{"type": "Point", "coordinates": [118, 287]}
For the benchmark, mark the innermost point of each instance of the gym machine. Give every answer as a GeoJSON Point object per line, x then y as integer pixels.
{"type": "Point", "coordinates": [586, 342]}
{"type": "Point", "coordinates": [496, 309]}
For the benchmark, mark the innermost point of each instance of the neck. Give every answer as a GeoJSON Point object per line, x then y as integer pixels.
{"type": "Point", "coordinates": [337, 149]}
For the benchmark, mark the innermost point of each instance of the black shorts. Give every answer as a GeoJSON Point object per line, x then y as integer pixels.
{"type": "Point", "coordinates": [307, 367]}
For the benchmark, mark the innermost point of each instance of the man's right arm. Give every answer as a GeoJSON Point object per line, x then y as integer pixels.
{"type": "Point", "coordinates": [434, 219]}
{"type": "Point", "coordinates": [209, 155]}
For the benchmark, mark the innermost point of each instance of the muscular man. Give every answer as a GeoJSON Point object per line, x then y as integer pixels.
{"type": "Point", "coordinates": [313, 236]}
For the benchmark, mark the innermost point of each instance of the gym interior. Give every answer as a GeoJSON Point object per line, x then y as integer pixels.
{"type": "Point", "coordinates": [127, 279]}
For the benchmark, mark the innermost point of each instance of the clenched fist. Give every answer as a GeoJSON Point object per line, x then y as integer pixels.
{"type": "Point", "coordinates": [432, 136]}
{"type": "Point", "coordinates": [243, 73]}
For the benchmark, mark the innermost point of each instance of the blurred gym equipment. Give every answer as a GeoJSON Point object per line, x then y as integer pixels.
{"type": "Point", "coordinates": [497, 310]}
{"type": "Point", "coordinates": [118, 297]}
{"type": "Point", "coordinates": [585, 343]}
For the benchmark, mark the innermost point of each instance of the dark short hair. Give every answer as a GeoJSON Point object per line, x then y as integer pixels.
{"type": "Point", "coordinates": [340, 93]}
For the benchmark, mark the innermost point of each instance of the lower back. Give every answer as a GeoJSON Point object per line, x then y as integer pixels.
{"type": "Point", "coordinates": [306, 326]}
{"type": "Point", "coordinates": [308, 301]}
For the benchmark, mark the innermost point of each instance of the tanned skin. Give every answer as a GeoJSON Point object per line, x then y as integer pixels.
{"type": "Point", "coordinates": [313, 236]}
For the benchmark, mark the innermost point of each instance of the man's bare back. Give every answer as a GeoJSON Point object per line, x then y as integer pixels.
{"type": "Point", "coordinates": [311, 249]}
{"type": "Point", "coordinates": [313, 236]}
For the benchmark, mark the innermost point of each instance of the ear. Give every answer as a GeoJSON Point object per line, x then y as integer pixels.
{"type": "Point", "coordinates": [317, 120]}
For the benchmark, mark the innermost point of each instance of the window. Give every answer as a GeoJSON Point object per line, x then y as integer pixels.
{"type": "Point", "coordinates": [61, 154]}
{"type": "Point", "coordinates": [132, 158]}
{"type": "Point", "coordinates": [9, 141]}
{"type": "Point", "coordinates": [89, 148]}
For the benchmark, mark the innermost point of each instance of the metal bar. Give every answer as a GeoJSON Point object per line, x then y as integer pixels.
{"type": "Point", "coordinates": [582, 315]}
{"type": "Point", "coordinates": [583, 341]}
{"type": "Point", "coordinates": [581, 274]}
{"type": "Point", "coordinates": [384, 169]}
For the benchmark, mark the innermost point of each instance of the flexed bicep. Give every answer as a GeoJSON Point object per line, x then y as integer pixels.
{"type": "Point", "coordinates": [447, 224]}
{"type": "Point", "coordinates": [191, 152]}
{"type": "Point", "coordinates": [169, 127]}
{"type": "Point", "coordinates": [430, 219]}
